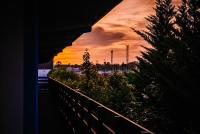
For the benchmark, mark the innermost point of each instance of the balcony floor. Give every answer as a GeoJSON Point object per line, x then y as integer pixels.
{"type": "Point", "coordinates": [49, 120]}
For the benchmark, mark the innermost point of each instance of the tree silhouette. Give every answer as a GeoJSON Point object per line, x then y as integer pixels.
{"type": "Point", "coordinates": [87, 67]}
{"type": "Point", "coordinates": [187, 59]}
{"type": "Point", "coordinates": [168, 72]}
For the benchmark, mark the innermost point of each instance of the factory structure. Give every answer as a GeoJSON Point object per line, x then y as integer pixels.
{"type": "Point", "coordinates": [127, 55]}
{"type": "Point", "coordinates": [111, 57]}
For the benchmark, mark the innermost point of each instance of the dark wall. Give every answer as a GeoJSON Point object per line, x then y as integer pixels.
{"type": "Point", "coordinates": [31, 40]}
{"type": "Point", "coordinates": [19, 39]}
{"type": "Point", "coordinates": [11, 87]}
{"type": "Point", "coordinates": [18, 87]}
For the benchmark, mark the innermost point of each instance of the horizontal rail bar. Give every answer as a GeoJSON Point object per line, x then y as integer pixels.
{"type": "Point", "coordinates": [84, 113]}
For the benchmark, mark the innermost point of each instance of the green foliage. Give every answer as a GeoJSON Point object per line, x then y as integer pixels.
{"type": "Point", "coordinates": [114, 90]}
{"type": "Point", "coordinates": [97, 88]}
{"type": "Point", "coordinates": [162, 90]}
{"type": "Point", "coordinates": [93, 84]}
{"type": "Point", "coordinates": [120, 92]}
{"type": "Point", "coordinates": [88, 69]}
{"type": "Point", "coordinates": [65, 76]}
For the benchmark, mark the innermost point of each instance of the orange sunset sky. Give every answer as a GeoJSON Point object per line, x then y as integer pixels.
{"type": "Point", "coordinates": [112, 32]}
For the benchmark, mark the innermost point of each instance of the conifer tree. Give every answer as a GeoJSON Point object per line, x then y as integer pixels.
{"type": "Point", "coordinates": [169, 70]}
{"type": "Point", "coordinates": [88, 68]}
{"type": "Point", "coordinates": [155, 70]}
{"type": "Point", "coordinates": [188, 35]}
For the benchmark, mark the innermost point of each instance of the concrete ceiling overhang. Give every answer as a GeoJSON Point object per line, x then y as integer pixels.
{"type": "Point", "coordinates": [62, 22]}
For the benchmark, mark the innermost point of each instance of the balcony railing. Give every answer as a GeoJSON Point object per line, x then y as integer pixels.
{"type": "Point", "coordinates": [84, 115]}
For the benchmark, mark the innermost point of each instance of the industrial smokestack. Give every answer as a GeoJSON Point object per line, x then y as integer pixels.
{"type": "Point", "coordinates": [127, 54]}
{"type": "Point", "coordinates": [111, 56]}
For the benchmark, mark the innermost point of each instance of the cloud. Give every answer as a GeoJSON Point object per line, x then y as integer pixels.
{"type": "Point", "coordinates": [101, 37]}
{"type": "Point", "coordinates": [114, 32]}
{"type": "Point", "coordinates": [101, 34]}
{"type": "Point", "coordinates": [115, 25]}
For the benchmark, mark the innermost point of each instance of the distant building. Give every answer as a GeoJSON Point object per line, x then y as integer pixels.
{"type": "Point", "coordinates": [75, 69]}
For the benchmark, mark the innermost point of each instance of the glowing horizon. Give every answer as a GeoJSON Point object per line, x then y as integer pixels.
{"type": "Point", "coordinates": [112, 32]}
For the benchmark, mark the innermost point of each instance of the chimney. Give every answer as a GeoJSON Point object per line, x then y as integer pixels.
{"type": "Point", "coordinates": [111, 56]}
{"type": "Point", "coordinates": [127, 54]}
